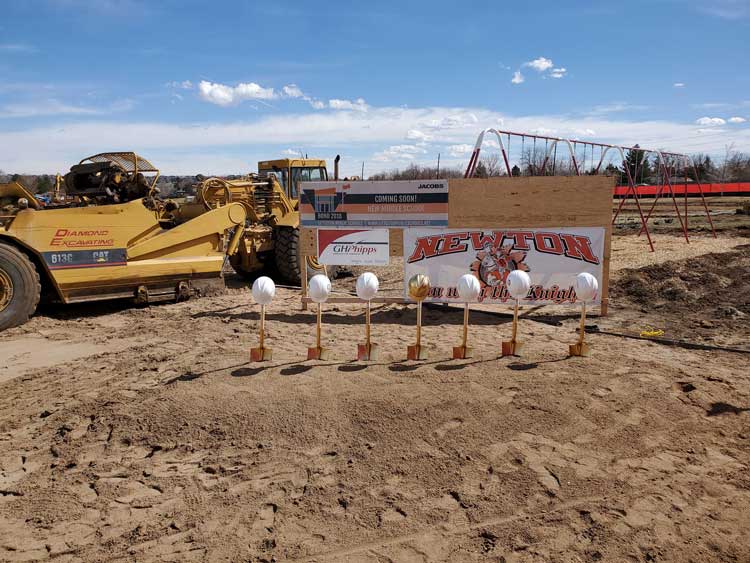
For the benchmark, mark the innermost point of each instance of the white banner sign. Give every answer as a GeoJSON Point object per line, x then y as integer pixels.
{"type": "Point", "coordinates": [374, 204]}
{"type": "Point", "coordinates": [552, 257]}
{"type": "Point", "coordinates": [346, 247]}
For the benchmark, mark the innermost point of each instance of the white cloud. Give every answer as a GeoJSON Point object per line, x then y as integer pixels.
{"type": "Point", "coordinates": [223, 95]}
{"type": "Point", "coordinates": [712, 105]}
{"type": "Point", "coordinates": [460, 150]}
{"type": "Point", "coordinates": [615, 107]}
{"type": "Point", "coordinates": [17, 48]}
{"type": "Point", "coordinates": [292, 91]}
{"type": "Point", "coordinates": [227, 147]}
{"type": "Point", "coordinates": [737, 120]}
{"type": "Point", "coordinates": [489, 142]}
{"type": "Point", "coordinates": [540, 65]}
{"type": "Point", "coordinates": [295, 92]}
{"type": "Point", "coordinates": [399, 153]}
{"type": "Point", "coordinates": [584, 133]}
{"type": "Point", "coordinates": [544, 131]}
{"type": "Point", "coordinates": [678, 85]}
{"type": "Point", "coordinates": [710, 121]}
{"type": "Point", "coordinates": [184, 84]}
{"type": "Point", "coordinates": [417, 135]}
{"type": "Point", "coordinates": [290, 152]}
{"type": "Point", "coordinates": [727, 9]}
{"type": "Point", "coordinates": [454, 121]}
{"type": "Point", "coordinates": [52, 106]}
{"type": "Point", "coordinates": [356, 105]}
{"type": "Point", "coordinates": [124, 104]}
{"type": "Point", "coordinates": [558, 72]}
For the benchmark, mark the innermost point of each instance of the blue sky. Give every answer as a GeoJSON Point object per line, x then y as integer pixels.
{"type": "Point", "coordinates": [213, 87]}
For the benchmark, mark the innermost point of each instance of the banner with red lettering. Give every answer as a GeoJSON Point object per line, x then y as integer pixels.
{"type": "Point", "coordinates": [552, 257]}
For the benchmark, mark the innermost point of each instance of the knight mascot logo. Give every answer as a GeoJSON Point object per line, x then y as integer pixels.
{"type": "Point", "coordinates": [492, 265]}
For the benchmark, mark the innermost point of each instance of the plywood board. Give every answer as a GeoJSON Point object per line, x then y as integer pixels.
{"type": "Point", "coordinates": [555, 201]}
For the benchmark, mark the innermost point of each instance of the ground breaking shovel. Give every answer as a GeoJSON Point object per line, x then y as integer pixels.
{"type": "Point", "coordinates": [318, 289]}
{"type": "Point", "coordinates": [264, 291]}
{"type": "Point", "coordinates": [419, 287]}
{"type": "Point", "coordinates": [468, 291]}
{"type": "Point", "coordinates": [518, 284]}
{"type": "Point", "coordinates": [367, 287]}
{"type": "Point", "coordinates": [586, 288]}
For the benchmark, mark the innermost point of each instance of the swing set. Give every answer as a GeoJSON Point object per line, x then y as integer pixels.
{"type": "Point", "coordinates": [544, 162]}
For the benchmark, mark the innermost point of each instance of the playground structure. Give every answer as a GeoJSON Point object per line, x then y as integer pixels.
{"type": "Point", "coordinates": [544, 162]}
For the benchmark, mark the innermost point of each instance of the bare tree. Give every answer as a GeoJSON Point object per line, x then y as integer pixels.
{"type": "Point", "coordinates": [492, 165]}
{"type": "Point", "coordinates": [531, 162]}
{"type": "Point", "coordinates": [417, 172]}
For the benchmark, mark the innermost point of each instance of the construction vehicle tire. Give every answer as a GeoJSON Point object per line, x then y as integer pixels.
{"type": "Point", "coordinates": [287, 257]}
{"type": "Point", "coordinates": [236, 263]}
{"type": "Point", "coordinates": [19, 287]}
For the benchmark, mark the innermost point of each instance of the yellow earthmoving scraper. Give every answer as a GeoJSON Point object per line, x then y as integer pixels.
{"type": "Point", "coordinates": [113, 237]}
{"type": "Point", "coordinates": [270, 240]}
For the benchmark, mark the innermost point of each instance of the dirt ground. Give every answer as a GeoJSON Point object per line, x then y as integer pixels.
{"type": "Point", "coordinates": [143, 434]}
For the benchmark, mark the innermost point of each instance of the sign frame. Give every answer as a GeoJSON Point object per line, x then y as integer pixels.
{"type": "Point", "coordinates": [533, 202]}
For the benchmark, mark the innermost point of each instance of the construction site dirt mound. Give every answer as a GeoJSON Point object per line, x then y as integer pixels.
{"type": "Point", "coordinates": [706, 296]}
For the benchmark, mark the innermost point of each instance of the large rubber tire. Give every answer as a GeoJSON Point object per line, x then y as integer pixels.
{"type": "Point", "coordinates": [286, 255]}
{"type": "Point", "coordinates": [242, 272]}
{"type": "Point", "coordinates": [19, 287]}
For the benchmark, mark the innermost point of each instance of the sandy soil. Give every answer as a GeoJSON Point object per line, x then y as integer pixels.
{"type": "Point", "coordinates": [133, 434]}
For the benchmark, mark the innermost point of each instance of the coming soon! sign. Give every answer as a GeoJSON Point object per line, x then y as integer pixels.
{"type": "Point", "coordinates": [374, 204]}
{"type": "Point", "coordinates": [552, 257]}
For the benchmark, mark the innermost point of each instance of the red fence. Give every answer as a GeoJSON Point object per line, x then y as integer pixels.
{"type": "Point", "coordinates": [728, 189]}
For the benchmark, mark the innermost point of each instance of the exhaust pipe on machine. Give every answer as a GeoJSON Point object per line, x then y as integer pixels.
{"type": "Point", "coordinates": [336, 167]}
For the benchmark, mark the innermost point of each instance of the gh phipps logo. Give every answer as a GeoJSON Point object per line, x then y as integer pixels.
{"type": "Point", "coordinates": [361, 248]}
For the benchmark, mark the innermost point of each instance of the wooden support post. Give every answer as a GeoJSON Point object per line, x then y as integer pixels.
{"type": "Point", "coordinates": [513, 347]}
{"type": "Point", "coordinates": [463, 352]}
{"type": "Point", "coordinates": [367, 351]}
{"type": "Point", "coordinates": [261, 353]}
{"type": "Point", "coordinates": [416, 352]}
{"type": "Point", "coordinates": [317, 352]}
{"type": "Point", "coordinates": [303, 276]}
{"type": "Point", "coordinates": [580, 348]}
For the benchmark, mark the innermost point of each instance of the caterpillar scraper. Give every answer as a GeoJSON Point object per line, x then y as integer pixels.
{"type": "Point", "coordinates": [270, 239]}
{"type": "Point", "coordinates": [116, 239]}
